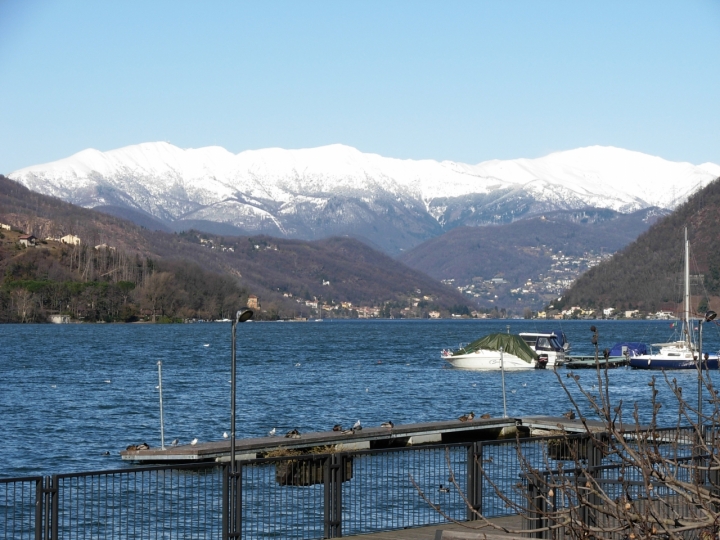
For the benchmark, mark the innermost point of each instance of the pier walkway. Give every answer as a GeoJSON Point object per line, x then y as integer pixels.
{"type": "Point", "coordinates": [369, 438]}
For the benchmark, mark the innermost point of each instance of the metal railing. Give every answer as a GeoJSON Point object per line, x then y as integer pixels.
{"type": "Point", "coordinates": [21, 507]}
{"type": "Point", "coordinates": [306, 496]}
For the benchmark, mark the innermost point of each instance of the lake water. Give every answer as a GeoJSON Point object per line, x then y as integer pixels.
{"type": "Point", "coordinates": [69, 393]}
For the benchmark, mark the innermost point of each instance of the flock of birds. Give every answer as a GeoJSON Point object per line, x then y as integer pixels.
{"type": "Point", "coordinates": [357, 426]}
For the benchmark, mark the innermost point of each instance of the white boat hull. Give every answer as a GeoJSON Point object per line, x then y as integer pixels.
{"type": "Point", "coordinates": [483, 359]}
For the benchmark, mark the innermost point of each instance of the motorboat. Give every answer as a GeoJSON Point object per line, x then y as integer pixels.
{"type": "Point", "coordinates": [553, 345]}
{"type": "Point", "coordinates": [495, 352]}
{"type": "Point", "coordinates": [682, 353]}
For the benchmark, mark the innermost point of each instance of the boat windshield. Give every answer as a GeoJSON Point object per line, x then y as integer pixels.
{"type": "Point", "coordinates": [548, 344]}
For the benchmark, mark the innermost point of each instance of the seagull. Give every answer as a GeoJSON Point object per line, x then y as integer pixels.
{"type": "Point", "coordinates": [293, 434]}
{"type": "Point", "coordinates": [108, 381]}
{"type": "Point", "coordinates": [272, 432]}
{"type": "Point", "coordinates": [442, 489]}
{"type": "Point", "coordinates": [206, 345]}
{"type": "Point", "coordinates": [53, 386]}
{"type": "Point", "coordinates": [225, 435]}
{"type": "Point", "coordinates": [513, 391]}
{"type": "Point", "coordinates": [175, 442]}
{"type": "Point", "coordinates": [193, 442]}
{"type": "Point", "coordinates": [337, 427]}
{"type": "Point", "coordinates": [357, 426]}
{"type": "Point", "coordinates": [297, 364]}
{"type": "Point", "coordinates": [388, 424]}
{"type": "Point", "coordinates": [524, 384]}
{"type": "Point", "coordinates": [467, 417]}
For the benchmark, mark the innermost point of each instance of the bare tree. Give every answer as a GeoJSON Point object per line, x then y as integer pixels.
{"type": "Point", "coordinates": [620, 478]}
{"type": "Point", "coordinates": [158, 293]}
{"type": "Point", "coordinates": [24, 302]}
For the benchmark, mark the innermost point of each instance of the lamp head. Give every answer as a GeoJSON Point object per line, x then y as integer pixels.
{"type": "Point", "coordinates": [710, 315]}
{"type": "Point", "coordinates": [243, 314]}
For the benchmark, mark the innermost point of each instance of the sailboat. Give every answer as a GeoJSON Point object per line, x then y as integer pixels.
{"type": "Point", "coordinates": [681, 354]}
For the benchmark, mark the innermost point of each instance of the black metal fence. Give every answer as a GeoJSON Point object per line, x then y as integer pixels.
{"type": "Point", "coordinates": [303, 497]}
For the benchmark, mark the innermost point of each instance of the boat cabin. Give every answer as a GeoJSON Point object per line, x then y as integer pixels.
{"type": "Point", "coordinates": [547, 344]}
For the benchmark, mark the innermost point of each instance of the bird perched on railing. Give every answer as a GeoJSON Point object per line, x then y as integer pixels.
{"type": "Point", "coordinates": [292, 434]}
{"type": "Point", "coordinates": [357, 426]}
{"type": "Point", "coordinates": [175, 442]}
{"type": "Point", "coordinates": [570, 415]}
{"type": "Point", "coordinates": [337, 427]}
{"type": "Point", "coordinates": [388, 424]}
{"type": "Point", "coordinates": [485, 416]}
{"type": "Point", "coordinates": [193, 442]}
{"type": "Point", "coordinates": [272, 432]}
{"type": "Point", "coordinates": [467, 417]}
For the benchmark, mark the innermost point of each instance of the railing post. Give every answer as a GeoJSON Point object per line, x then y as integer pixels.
{"type": "Point", "coordinates": [594, 460]}
{"type": "Point", "coordinates": [333, 477]}
{"type": "Point", "coordinates": [39, 489]}
{"type": "Point", "coordinates": [536, 509]}
{"type": "Point", "coordinates": [225, 501]}
{"type": "Point", "coordinates": [474, 480]}
{"type": "Point", "coordinates": [232, 502]}
{"type": "Point", "coordinates": [49, 509]}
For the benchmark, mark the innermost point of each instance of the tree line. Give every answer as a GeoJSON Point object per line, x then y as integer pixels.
{"type": "Point", "coordinates": [109, 285]}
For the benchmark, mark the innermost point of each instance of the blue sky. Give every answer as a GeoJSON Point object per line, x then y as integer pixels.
{"type": "Point", "coordinates": [464, 81]}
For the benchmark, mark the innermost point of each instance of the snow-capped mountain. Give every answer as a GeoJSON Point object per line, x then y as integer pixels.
{"type": "Point", "coordinates": [331, 190]}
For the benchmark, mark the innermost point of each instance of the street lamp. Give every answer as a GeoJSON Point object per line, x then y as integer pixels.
{"type": "Point", "coordinates": [709, 316]}
{"type": "Point", "coordinates": [243, 314]}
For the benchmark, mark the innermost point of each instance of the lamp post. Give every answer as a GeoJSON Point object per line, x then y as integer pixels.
{"type": "Point", "coordinates": [709, 316]}
{"type": "Point", "coordinates": [243, 314]}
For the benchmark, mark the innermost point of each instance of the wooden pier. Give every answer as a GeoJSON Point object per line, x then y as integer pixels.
{"type": "Point", "coordinates": [445, 432]}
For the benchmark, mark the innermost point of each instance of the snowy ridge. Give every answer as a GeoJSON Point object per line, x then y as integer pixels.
{"type": "Point", "coordinates": [336, 189]}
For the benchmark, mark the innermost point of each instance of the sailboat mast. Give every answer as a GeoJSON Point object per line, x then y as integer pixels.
{"type": "Point", "coordinates": [687, 288]}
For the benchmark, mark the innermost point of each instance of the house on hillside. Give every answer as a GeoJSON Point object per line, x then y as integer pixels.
{"type": "Point", "coordinates": [27, 240]}
{"type": "Point", "coordinates": [253, 302]}
{"type": "Point", "coordinates": [70, 239]}
{"type": "Point", "coordinates": [5, 226]}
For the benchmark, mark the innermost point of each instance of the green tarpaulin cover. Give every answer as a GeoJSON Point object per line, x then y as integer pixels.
{"type": "Point", "coordinates": [510, 343]}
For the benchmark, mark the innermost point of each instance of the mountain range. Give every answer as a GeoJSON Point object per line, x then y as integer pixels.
{"type": "Point", "coordinates": [284, 273]}
{"type": "Point", "coordinates": [388, 203]}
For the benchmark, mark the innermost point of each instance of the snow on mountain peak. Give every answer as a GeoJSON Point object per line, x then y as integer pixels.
{"type": "Point", "coordinates": [336, 188]}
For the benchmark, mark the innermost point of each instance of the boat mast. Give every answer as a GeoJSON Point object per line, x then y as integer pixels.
{"type": "Point", "coordinates": [688, 327]}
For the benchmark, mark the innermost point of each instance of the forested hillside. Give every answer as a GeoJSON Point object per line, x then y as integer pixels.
{"type": "Point", "coordinates": [647, 275]}
{"type": "Point", "coordinates": [122, 271]}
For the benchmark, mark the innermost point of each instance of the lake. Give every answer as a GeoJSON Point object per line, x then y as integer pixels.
{"type": "Point", "coordinates": [69, 393]}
